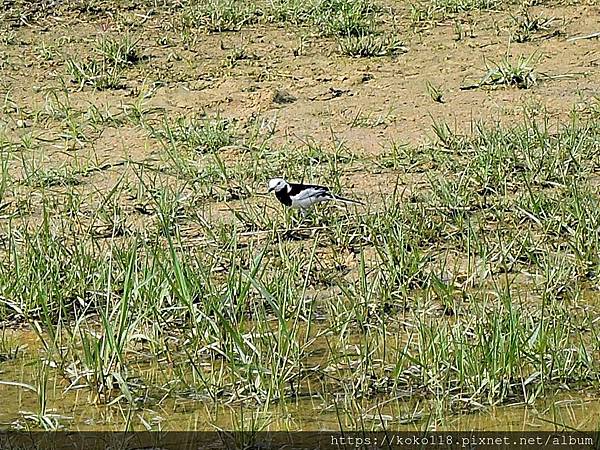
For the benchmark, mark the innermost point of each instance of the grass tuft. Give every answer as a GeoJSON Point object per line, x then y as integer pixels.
{"type": "Point", "coordinates": [106, 71]}
{"type": "Point", "coordinates": [119, 52]}
{"type": "Point", "coordinates": [220, 15]}
{"type": "Point", "coordinates": [520, 73]}
{"type": "Point", "coordinates": [94, 73]}
{"type": "Point", "coordinates": [525, 26]}
{"type": "Point", "coordinates": [202, 134]}
{"type": "Point", "coordinates": [365, 46]}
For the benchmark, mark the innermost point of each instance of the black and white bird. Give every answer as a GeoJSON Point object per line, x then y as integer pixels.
{"type": "Point", "coordinates": [303, 196]}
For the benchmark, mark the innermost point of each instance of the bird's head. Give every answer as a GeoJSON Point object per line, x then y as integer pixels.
{"type": "Point", "coordinates": [277, 185]}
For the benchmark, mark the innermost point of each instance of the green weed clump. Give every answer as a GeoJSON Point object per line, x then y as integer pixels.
{"type": "Point", "coordinates": [121, 51]}
{"type": "Point", "coordinates": [526, 26]}
{"type": "Point", "coordinates": [437, 10]}
{"type": "Point", "coordinates": [104, 71]}
{"type": "Point", "coordinates": [520, 73]}
{"type": "Point", "coordinates": [220, 15]}
{"type": "Point", "coordinates": [458, 6]}
{"type": "Point", "coordinates": [95, 73]}
{"type": "Point", "coordinates": [370, 45]}
{"type": "Point", "coordinates": [202, 134]}
{"type": "Point", "coordinates": [332, 17]}
{"type": "Point", "coordinates": [345, 18]}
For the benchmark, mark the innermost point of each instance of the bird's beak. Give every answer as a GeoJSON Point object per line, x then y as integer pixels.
{"type": "Point", "coordinates": [269, 190]}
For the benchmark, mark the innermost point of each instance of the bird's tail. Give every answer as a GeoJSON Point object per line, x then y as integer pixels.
{"type": "Point", "coordinates": [337, 198]}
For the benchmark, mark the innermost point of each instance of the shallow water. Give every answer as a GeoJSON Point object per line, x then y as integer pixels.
{"type": "Point", "coordinates": [74, 409]}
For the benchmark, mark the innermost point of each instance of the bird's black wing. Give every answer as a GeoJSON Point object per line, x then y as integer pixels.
{"type": "Point", "coordinates": [297, 188]}
{"type": "Point", "coordinates": [300, 191]}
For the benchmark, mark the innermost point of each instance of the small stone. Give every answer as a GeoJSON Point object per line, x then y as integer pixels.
{"type": "Point", "coordinates": [282, 97]}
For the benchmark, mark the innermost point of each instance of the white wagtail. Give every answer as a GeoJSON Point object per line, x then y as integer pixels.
{"type": "Point", "coordinates": [303, 196]}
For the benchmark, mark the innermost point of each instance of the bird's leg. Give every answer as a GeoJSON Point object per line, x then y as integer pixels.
{"type": "Point", "coordinates": [300, 217]}
{"type": "Point", "coordinates": [291, 219]}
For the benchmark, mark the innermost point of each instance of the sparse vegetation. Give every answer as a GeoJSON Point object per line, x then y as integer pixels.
{"type": "Point", "coordinates": [105, 72]}
{"type": "Point", "coordinates": [94, 73]}
{"type": "Point", "coordinates": [118, 52]}
{"type": "Point", "coordinates": [442, 9]}
{"type": "Point", "coordinates": [344, 17]}
{"type": "Point", "coordinates": [435, 92]}
{"type": "Point", "coordinates": [457, 6]}
{"type": "Point", "coordinates": [220, 15]}
{"type": "Point", "coordinates": [370, 45]}
{"type": "Point", "coordinates": [199, 134]}
{"type": "Point", "coordinates": [526, 26]}
{"type": "Point", "coordinates": [147, 281]}
{"type": "Point", "coordinates": [519, 73]}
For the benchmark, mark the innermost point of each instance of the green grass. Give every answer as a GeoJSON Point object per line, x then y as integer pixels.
{"type": "Point", "coordinates": [438, 10]}
{"type": "Point", "coordinates": [435, 92]}
{"type": "Point", "coordinates": [457, 6]}
{"type": "Point", "coordinates": [520, 73]}
{"type": "Point", "coordinates": [365, 46]}
{"type": "Point", "coordinates": [204, 135]}
{"type": "Point", "coordinates": [105, 71]}
{"type": "Point", "coordinates": [9, 348]}
{"type": "Point", "coordinates": [330, 17]}
{"type": "Point", "coordinates": [219, 15]}
{"type": "Point", "coordinates": [526, 25]}
{"type": "Point", "coordinates": [158, 276]}
{"type": "Point", "coordinates": [8, 37]}
{"type": "Point", "coordinates": [345, 18]}
{"type": "Point", "coordinates": [511, 201]}
{"type": "Point", "coordinates": [94, 73]}
{"type": "Point", "coordinates": [121, 51]}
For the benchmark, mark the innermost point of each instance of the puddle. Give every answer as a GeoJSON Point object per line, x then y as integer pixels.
{"type": "Point", "coordinates": [74, 409]}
